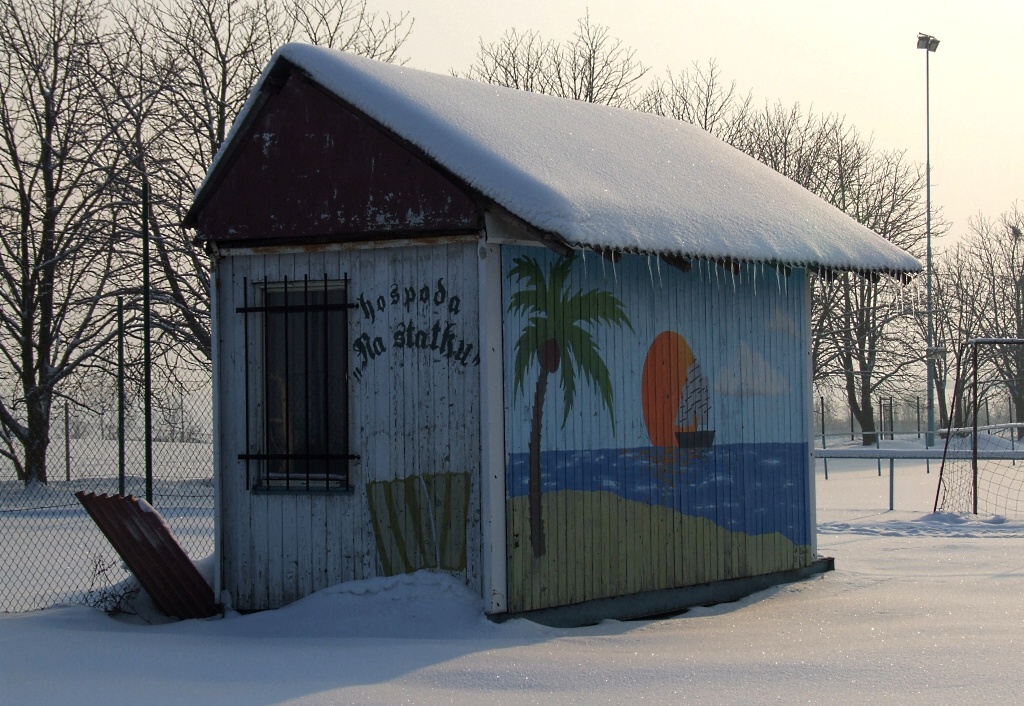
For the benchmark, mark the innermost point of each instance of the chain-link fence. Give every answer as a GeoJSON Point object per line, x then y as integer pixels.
{"type": "Point", "coordinates": [50, 550]}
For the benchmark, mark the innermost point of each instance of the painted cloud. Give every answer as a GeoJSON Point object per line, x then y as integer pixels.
{"type": "Point", "coordinates": [748, 373]}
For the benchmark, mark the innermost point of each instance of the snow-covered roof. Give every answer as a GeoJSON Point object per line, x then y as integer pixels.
{"type": "Point", "coordinates": [601, 177]}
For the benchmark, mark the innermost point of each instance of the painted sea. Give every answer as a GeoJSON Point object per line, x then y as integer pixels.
{"type": "Point", "coordinates": [751, 488]}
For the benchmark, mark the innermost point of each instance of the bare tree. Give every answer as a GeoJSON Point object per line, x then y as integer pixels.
{"type": "Point", "coordinates": [348, 25]}
{"type": "Point", "coordinates": [990, 301]}
{"type": "Point", "coordinates": [860, 324]}
{"type": "Point", "coordinates": [58, 163]}
{"type": "Point", "coordinates": [869, 332]}
{"type": "Point", "coordinates": [959, 300]}
{"type": "Point", "coordinates": [516, 60]}
{"type": "Point", "coordinates": [591, 66]}
{"type": "Point", "coordinates": [699, 96]}
{"type": "Point", "coordinates": [201, 58]}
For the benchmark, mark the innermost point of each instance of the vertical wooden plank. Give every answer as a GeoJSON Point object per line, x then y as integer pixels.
{"type": "Point", "coordinates": [218, 547]}
{"type": "Point", "coordinates": [310, 550]}
{"type": "Point", "coordinates": [293, 520]}
{"type": "Point", "coordinates": [371, 272]}
{"type": "Point", "coordinates": [272, 545]}
{"type": "Point", "coordinates": [229, 363]}
{"type": "Point", "coordinates": [719, 327]}
{"type": "Point", "coordinates": [803, 295]}
{"type": "Point", "coordinates": [258, 521]}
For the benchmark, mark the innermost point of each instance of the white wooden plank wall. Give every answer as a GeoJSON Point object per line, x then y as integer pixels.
{"type": "Point", "coordinates": [413, 411]}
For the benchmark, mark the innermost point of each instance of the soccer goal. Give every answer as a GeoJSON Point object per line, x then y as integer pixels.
{"type": "Point", "coordinates": [982, 469]}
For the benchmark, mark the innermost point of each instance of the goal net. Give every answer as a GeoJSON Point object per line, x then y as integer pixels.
{"type": "Point", "coordinates": [982, 470]}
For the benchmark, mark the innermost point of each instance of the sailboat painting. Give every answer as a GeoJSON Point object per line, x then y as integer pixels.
{"type": "Point", "coordinates": [674, 395]}
{"type": "Point", "coordinates": [694, 409]}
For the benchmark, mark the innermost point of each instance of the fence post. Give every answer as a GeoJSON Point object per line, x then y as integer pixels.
{"type": "Point", "coordinates": [147, 356]}
{"type": "Point", "coordinates": [824, 460]}
{"type": "Point", "coordinates": [67, 444]}
{"type": "Point", "coordinates": [120, 396]}
{"type": "Point", "coordinates": [974, 438]}
{"type": "Point", "coordinates": [878, 434]}
{"type": "Point", "coordinates": [1013, 426]}
{"type": "Point", "coordinates": [918, 398]}
{"type": "Point", "coordinates": [892, 483]}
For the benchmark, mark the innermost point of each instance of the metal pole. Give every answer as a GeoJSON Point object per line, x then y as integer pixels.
{"type": "Point", "coordinates": [120, 396]}
{"type": "Point", "coordinates": [929, 352]}
{"type": "Point", "coordinates": [878, 443]}
{"type": "Point", "coordinates": [918, 398]}
{"type": "Point", "coordinates": [67, 444]}
{"type": "Point", "coordinates": [1013, 427]}
{"type": "Point", "coordinates": [822, 399]}
{"type": "Point", "coordinates": [974, 438]}
{"type": "Point", "coordinates": [892, 418]}
{"type": "Point", "coordinates": [892, 483]}
{"type": "Point", "coordinates": [147, 361]}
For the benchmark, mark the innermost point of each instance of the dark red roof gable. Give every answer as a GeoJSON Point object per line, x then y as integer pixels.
{"type": "Point", "coordinates": [309, 167]}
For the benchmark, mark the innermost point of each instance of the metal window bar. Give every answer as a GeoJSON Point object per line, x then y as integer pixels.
{"type": "Point", "coordinates": [305, 353]}
{"type": "Point", "coordinates": [288, 465]}
{"type": "Point", "coordinates": [327, 378]}
{"type": "Point", "coordinates": [248, 406]}
{"type": "Point", "coordinates": [266, 379]}
{"type": "Point", "coordinates": [290, 459]}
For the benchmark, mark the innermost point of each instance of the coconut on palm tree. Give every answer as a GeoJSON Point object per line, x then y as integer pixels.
{"type": "Point", "coordinates": [555, 336]}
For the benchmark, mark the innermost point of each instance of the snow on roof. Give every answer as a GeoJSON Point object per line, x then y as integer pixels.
{"type": "Point", "coordinates": [602, 177]}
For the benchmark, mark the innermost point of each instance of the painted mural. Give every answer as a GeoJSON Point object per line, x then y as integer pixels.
{"type": "Point", "coordinates": [419, 522]}
{"type": "Point", "coordinates": [655, 426]}
{"type": "Point", "coordinates": [413, 332]}
{"type": "Point", "coordinates": [555, 336]}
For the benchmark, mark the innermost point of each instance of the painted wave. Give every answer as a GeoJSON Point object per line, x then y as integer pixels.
{"type": "Point", "coordinates": [751, 488]}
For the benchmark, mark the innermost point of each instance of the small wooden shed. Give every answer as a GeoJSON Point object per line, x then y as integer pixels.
{"type": "Point", "coordinates": [559, 350]}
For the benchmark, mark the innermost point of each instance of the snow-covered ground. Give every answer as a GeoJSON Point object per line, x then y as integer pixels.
{"type": "Point", "coordinates": [921, 609]}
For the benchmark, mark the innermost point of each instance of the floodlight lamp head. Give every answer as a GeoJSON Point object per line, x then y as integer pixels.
{"type": "Point", "coordinates": [926, 41]}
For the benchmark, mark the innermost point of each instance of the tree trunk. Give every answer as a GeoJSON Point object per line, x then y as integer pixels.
{"type": "Point", "coordinates": [536, 520]}
{"type": "Point", "coordinates": [1016, 409]}
{"type": "Point", "coordinates": [861, 409]}
{"type": "Point", "coordinates": [865, 415]}
{"type": "Point", "coordinates": [940, 398]}
{"type": "Point", "coordinates": [38, 439]}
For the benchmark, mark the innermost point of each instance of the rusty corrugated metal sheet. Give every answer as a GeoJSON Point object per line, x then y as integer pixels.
{"type": "Point", "coordinates": [145, 543]}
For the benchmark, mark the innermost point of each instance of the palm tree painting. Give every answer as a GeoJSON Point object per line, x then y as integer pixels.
{"type": "Point", "coordinates": [556, 336]}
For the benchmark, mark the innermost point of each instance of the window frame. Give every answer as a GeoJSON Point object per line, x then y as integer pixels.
{"type": "Point", "coordinates": [268, 467]}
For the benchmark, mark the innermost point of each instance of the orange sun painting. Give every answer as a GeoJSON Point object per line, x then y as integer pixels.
{"type": "Point", "coordinates": [674, 394]}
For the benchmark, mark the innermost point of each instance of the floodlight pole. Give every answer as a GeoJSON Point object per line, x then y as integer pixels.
{"type": "Point", "coordinates": [929, 44]}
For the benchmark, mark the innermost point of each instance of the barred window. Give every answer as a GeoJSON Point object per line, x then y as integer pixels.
{"type": "Point", "coordinates": [297, 432]}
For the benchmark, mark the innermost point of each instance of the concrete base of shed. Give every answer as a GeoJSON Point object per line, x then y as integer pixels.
{"type": "Point", "coordinates": [649, 604]}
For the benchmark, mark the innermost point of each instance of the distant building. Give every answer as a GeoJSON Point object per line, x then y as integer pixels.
{"type": "Point", "coordinates": [559, 350]}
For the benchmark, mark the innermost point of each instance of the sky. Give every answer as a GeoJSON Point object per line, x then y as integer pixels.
{"type": "Point", "coordinates": [922, 609]}
{"type": "Point", "coordinates": [854, 59]}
